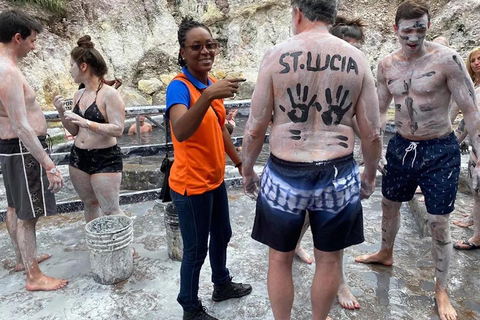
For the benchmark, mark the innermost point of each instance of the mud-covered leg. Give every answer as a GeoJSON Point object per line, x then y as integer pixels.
{"type": "Point", "coordinates": [390, 227]}
{"type": "Point", "coordinates": [442, 253]}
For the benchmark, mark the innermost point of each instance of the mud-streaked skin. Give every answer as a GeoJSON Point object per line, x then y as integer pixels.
{"type": "Point", "coordinates": [21, 117]}
{"type": "Point", "coordinates": [313, 84]}
{"type": "Point", "coordinates": [312, 110]}
{"type": "Point", "coordinates": [422, 78]}
{"type": "Point", "coordinates": [99, 192]}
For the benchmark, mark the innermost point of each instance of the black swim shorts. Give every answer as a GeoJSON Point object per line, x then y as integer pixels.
{"type": "Point", "coordinates": [25, 180]}
{"type": "Point", "coordinates": [434, 165]}
{"type": "Point", "coordinates": [97, 160]}
{"type": "Point", "coordinates": [328, 190]}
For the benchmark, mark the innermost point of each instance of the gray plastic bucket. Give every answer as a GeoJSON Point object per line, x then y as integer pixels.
{"type": "Point", "coordinates": [174, 236]}
{"type": "Point", "coordinates": [109, 239]}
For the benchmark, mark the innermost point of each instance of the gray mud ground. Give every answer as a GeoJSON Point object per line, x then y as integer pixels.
{"type": "Point", "coordinates": [404, 291]}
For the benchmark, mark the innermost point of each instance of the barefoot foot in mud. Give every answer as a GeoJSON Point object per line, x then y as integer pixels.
{"type": "Point", "coordinates": [376, 258]}
{"type": "Point", "coordinates": [303, 255]}
{"type": "Point", "coordinates": [445, 308]}
{"type": "Point", "coordinates": [464, 223]}
{"type": "Point", "coordinates": [42, 257]}
{"type": "Point", "coordinates": [346, 298]}
{"type": "Point", "coordinates": [45, 283]}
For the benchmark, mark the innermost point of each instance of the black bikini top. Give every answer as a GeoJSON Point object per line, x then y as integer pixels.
{"type": "Point", "coordinates": [92, 112]}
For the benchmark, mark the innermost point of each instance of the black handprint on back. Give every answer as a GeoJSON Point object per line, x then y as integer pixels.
{"type": "Point", "coordinates": [338, 108]}
{"type": "Point", "coordinates": [302, 107]}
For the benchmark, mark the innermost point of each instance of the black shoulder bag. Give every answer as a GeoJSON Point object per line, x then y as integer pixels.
{"type": "Point", "coordinates": [166, 165]}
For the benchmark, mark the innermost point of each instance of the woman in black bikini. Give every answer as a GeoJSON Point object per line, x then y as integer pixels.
{"type": "Point", "coordinates": [96, 120]}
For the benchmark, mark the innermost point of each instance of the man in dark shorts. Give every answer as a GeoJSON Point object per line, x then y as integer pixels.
{"type": "Point", "coordinates": [422, 77]}
{"type": "Point", "coordinates": [313, 83]}
{"type": "Point", "coordinates": [30, 175]}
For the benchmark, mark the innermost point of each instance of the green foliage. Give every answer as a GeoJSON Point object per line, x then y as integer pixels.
{"type": "Point", "coordinates": [55, 6]}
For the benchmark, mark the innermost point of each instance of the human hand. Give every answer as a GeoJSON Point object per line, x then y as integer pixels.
{"type": "Point", "coordinates": [381, 166]}
{"type": "Point", "coordinates": [251, 185]}
{"type": "Point", "coordinates": [476, 179]}
{"type": "Point", "coordinates": [367, 187]}
{"type": "Point", "coordinates": [76, 119]}
{"type": "Point", "coordinates": [225, 88]}
{"type": "Point", "coordinates": [55, 181]}
{"type": "Point", "coordinates": [59, 103]}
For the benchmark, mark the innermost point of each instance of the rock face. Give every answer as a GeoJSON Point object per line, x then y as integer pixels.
{"type": "Point", "coordinates": [138, 38]}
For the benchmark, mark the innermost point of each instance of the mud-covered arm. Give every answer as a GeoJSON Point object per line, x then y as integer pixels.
{"type": "Point", "coordinates": [59, 103]}
{"type": "Point", "coordinates": [13, 100]}
{"type": "Point", "coordinates": [461, 132]}
{"type": "Point", "coordinates": [261, 108]}
{"type": "Point", "coordinates": [115, 109]}
{"type": "Point", "coordinates": [384, 95]}
{"type": "Point", "coordinates": [370, 127]}
{"type": "Point", "coordinates": [463, 93]}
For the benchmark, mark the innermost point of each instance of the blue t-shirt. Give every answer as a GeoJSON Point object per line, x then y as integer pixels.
{"type": "Point", "coordinates": [177, 91]}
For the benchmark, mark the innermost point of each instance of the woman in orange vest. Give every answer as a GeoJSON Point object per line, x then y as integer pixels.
{"type": "Point", "coordinates": [200, 140]}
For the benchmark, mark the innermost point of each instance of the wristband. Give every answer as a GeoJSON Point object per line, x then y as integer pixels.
{"type": "Point", "coordinates": [238, 164]}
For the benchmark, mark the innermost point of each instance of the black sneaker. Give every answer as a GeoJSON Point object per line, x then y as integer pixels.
{"type": "Point", "coordinates": [230, 290]}
{"type": "Point", "coordinates": [199, 314]}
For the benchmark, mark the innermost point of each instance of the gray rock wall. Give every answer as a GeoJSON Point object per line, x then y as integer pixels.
{"type": "Point", "coordinates": [138, 37]}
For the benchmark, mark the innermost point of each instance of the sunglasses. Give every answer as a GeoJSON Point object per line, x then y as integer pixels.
{"type": "Point", "coordinates": [211, 46]}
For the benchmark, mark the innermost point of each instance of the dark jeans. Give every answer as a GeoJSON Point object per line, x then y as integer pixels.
{"type": "Point", "coordinates": [199, 216]}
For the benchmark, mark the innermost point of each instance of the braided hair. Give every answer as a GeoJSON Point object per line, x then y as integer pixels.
{"type": "Point", "coordinates": [186, 25]}
{"type": "Point", "coordinates": [86, 52]}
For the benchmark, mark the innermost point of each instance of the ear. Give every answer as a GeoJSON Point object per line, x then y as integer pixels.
{"type": "Point", "coordinates": [182, 53]}
{"type": "Point", "coordinates": [395, 28]}
{"type": "Point", "coordinates": [298, 16]}
{"type": "Point", "coordinates": [17, 37]}
{"type": "Point", "coordinates": [83, 66]}
{"type": "Point", "coordinates": [429, 24]}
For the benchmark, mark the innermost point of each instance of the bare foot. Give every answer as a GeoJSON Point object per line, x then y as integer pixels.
{"type": "Point", "coordinates": [378, 258]}
{"type": "Point", "coordinates": [445, 308]}
{"type": "Point", "coordinates": [303, 255]}
{"type": "Point", "coordinates": [346, 298]}
{"type": "Point", "coordinates": [45, 283]}
{"type": "Point", "coordinates": [42, 257]}
{"type": "Point", "coordinates": [464, 223]}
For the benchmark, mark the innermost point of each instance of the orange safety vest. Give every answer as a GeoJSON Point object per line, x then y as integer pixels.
{"type": "Point", "coordinates": [199, 164]}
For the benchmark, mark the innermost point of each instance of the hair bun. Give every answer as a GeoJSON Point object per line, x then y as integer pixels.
{"type": "Point", "coordinates": [85, 42]}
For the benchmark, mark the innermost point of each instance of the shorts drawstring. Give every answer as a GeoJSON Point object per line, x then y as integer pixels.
{"type": "Point", "coordinates": [336, 172]}
{"type": "Point", "coordinates": [411, 147]}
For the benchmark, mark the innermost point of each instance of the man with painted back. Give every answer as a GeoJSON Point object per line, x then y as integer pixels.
{"type": "Point", "coordinates": [30, 175]}
{"type": "Point", "coordinates": [421, 77]}
{"type": "Point", "coordinates": [313, 83]}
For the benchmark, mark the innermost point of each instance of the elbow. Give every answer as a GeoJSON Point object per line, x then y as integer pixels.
{"type": "Point", "coordinates": [118, 132]}
{"type": "Point", "coordinates": [180, 138]}
{"type": "Point", "coordinates": [252, 134]}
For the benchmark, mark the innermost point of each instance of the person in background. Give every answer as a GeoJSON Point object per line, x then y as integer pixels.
{"type": "Point", "coordinates": [96, 120]}
{"type": "Point", "coordinates": [200, 140]}
{"type": "Point", "coordinates": [352, 31]}
{"type": "Point", "coordinates": [144, 126]}
{"type": "Point", "coordinates": [473, 68]}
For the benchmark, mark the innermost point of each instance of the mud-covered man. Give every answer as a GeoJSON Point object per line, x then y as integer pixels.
{"type": "Point", "coordinates": [313, 83]}
{"type": "Point", "coordinates": [30, 176]}
{"type": "Point", "coordinates": [421, 77]}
